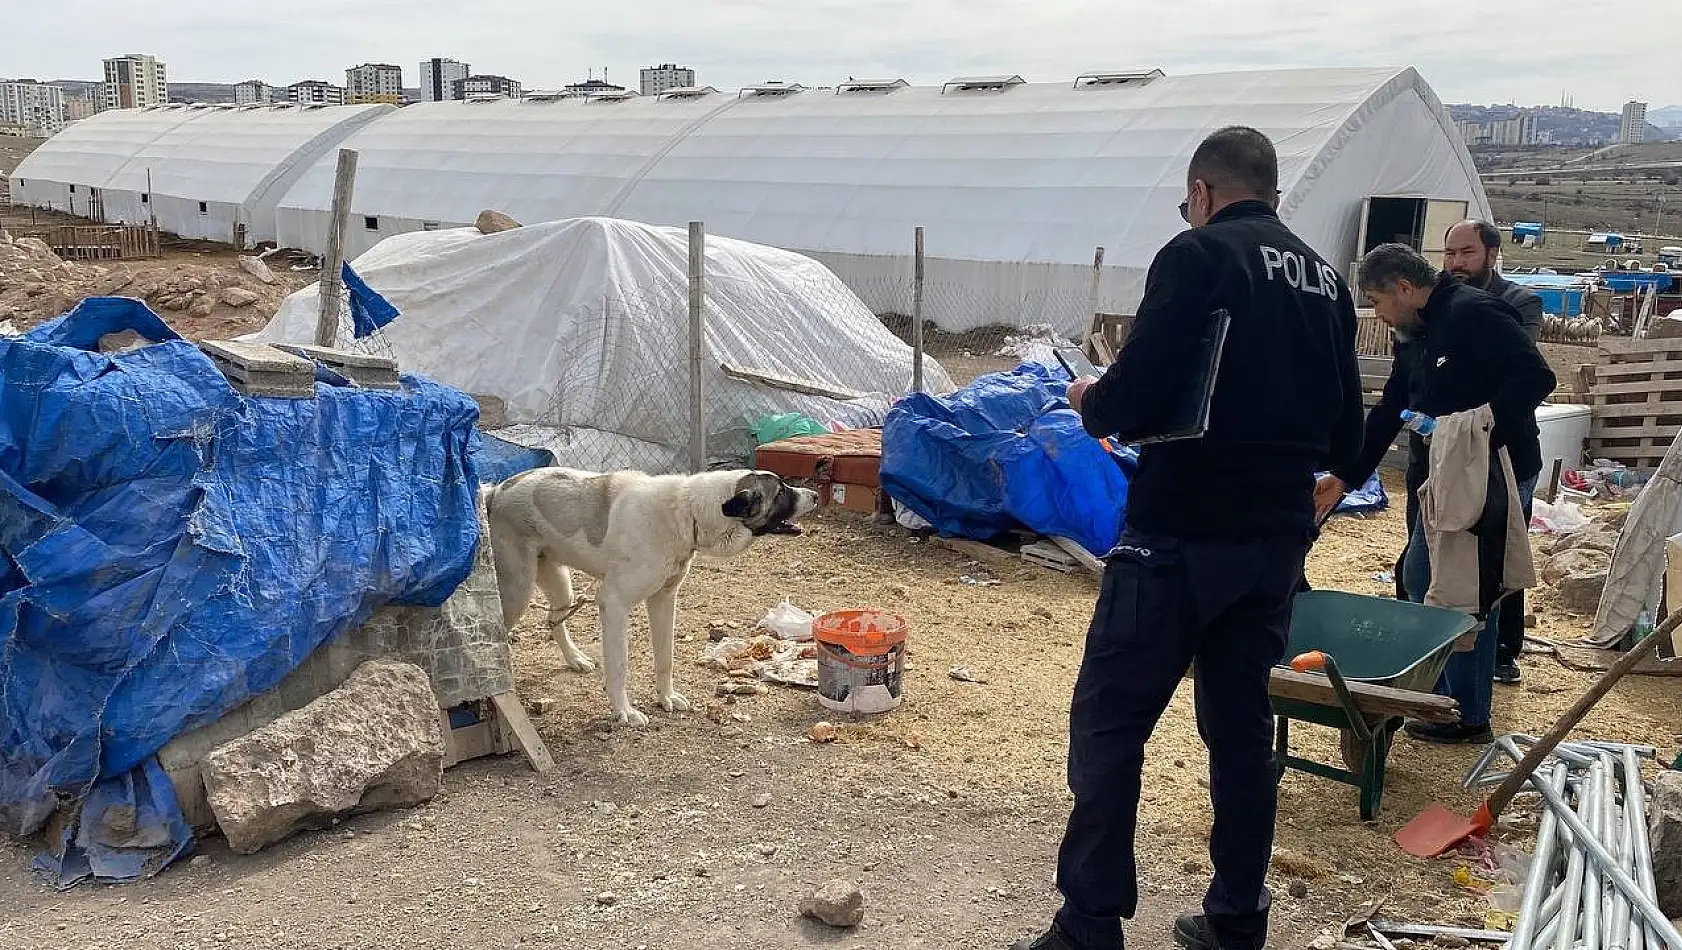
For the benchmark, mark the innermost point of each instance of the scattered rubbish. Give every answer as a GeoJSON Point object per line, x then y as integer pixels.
{"type": "Point", "coordinates": [963, 675]}
{"type": "Point", "coordinates": [1563, 517]}
{"type": "Point", "coordinates": [861, 660]}
{"type": "Point", "coordinates": [970, 580]}
{"type": "Point", "coordinates": [1606, 479]}
{"type": "Point", "coordinates": [787, 425]}
{"type": "Point", "coordinates": [788, 621]}
{"type": "Point", "coordinates": [1384, 577]}
{"type": "Point", "coordinates": [790, 663]}
{"type": "Point", "coordinates": [1033, 343]}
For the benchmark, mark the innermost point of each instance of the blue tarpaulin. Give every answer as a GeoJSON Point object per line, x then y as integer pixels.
{"type": "Point", "coordinates": [170, 549]}
{"type": "Point", "coordinates": [1007, 452]}
{"type": "Point", "coordinates": [1002, 453]}
{"type": "Point", "coordinates": [368, 310]}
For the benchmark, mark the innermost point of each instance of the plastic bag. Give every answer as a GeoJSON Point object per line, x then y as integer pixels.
{"type": "Point", "coordinates": [1561, 518]}
{"type": "Point", "coordinates": [787, 425]}
{"type": "Point", "coordinates": [788, 621]}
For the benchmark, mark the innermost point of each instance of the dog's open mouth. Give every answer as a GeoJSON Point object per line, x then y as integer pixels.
{"type": "Point", "coordinates": [785, 527]}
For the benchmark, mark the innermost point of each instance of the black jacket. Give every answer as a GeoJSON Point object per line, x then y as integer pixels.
{"type": "Point", "coordinates": [1287, 398]}
{"type": "Point", "coordinates": [1522, 299]}
{"type": "Point", "coordinates": [1470, 352]}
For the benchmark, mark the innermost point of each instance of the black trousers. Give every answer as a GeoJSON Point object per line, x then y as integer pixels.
{"type": "Point", "coordinates": [1164, 603]}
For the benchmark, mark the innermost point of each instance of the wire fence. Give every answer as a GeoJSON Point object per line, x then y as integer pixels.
{"type": "Point", "coordinates": [689, 371]}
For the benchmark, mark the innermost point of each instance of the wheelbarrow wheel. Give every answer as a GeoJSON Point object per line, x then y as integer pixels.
{"type": "Point", "coordinates": [1354, 750]}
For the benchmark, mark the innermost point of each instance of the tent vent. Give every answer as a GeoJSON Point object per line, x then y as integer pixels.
{"type": "Point", "coordinates": [1117, 77]}
{"type": "Point", "coordinates": [689, 92]}
{"type": "Point", "coordinates": [991, 83]}
{"type": "Point", "coordinates": [772, 88]}
{"type": "Point", "coordinates": [870, 85]}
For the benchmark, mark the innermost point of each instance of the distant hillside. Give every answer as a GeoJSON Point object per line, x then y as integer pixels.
{"type": "Point", "coordinates": [178, 91]}
{"type": "Point", "coordinates": [1567, 127]}
{"type": "Point", "coordinates": [1668, 117]}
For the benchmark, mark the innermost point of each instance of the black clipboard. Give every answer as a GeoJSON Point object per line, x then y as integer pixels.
{"type": "Point", "coordinates": [1187, 416]}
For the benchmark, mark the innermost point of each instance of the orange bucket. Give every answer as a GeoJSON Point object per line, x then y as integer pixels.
{"type": "Point", "coordinates": [861, 660]}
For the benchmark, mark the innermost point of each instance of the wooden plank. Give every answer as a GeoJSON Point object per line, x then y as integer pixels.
{"type": "Point", "coordinates": [806, 386]}
{"type": "Point", "coordinates": [1624, 346]}
{"type": "Point", "coordinates": [1372, 700]}
{"type": "Point", "coordinates": [1655, 411]}
{"type": "Point", "coordinates": [519, 725]}
{"type": "Point", "coordinates": [1639, 386]}
{"type": "Point", "coordinates": [1074, 549]}
{"type": "Point", "coordinates": [1651, 430]}
{"type": "Point", "coordinates": [1635, 369]}
{"type": "Point", "coordinates": [985, 553]}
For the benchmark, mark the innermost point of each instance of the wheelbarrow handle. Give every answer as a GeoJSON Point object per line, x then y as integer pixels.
{"type": "Point", "coordinates": [1317, 661]}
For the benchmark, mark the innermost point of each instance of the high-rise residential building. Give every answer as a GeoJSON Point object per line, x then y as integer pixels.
{"type": "Point", "coordinates": [1633, 129]}
{"type": "Point", "coordinates": [486, 85]}
{"type": "Point", "coordinates": [658, 79]}
{"type": "Point", "coordinates": [255, 92]}
{"type": "Point", "coordinates": [314, 92]}
{"type": "Point", "coordinates": [35, 107]}
{"type": "Point", "coordinates": [135, 81]}
{"type": "Point", "coordinates": [1519, 130]}
{"type": "Point", "coordinates": [374, 82]}
{"type": "Point", "coordinates": [438, 78]}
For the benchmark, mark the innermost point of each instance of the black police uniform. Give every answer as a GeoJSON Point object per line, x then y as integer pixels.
{"type": "Point", "coordinates": [1217, 531]}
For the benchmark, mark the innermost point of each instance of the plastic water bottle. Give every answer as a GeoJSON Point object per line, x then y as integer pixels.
{"type": "Point", "coordinates": [1418, 422]}
{"type": "Point", "coordinates": [1643, 625]}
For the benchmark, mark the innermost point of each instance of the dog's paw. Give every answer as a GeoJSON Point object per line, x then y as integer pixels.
{"type": "Point", "coordinates": [675, 703]}
{"type": "Point", "coordinates": [632, 718]}
{"type": "Point", "coordinates": [579, 663]}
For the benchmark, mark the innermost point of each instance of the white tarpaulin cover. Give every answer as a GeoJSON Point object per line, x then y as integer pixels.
{"type": "Point", "coordinates": [582, 328]}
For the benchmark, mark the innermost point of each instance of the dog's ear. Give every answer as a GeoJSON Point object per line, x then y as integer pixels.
{"type": "Point", "coordinates": [742, 505]}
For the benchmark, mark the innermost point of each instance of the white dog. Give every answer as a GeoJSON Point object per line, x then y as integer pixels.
{"type": "Point", "coordinates": [638, 535]}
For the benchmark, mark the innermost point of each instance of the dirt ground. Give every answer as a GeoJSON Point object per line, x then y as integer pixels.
{"type": "Point", "coordinates": [706, 829]}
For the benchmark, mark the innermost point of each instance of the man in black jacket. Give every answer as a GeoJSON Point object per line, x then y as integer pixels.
{"type": "Point", "coordinates": [1457, 348]}
{"type": "Point", "coordinates": [1217, 531]}
{"type": "Point", "coordinates": [1470, 251]}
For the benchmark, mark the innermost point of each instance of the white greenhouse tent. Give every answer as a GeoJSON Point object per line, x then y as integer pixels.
{"type": "Point", "coordinates": [581, 328]}
{"type": "Point", "coordinates": [199, 171]}
{"type": "Point", "coordinates": [1015, 183]}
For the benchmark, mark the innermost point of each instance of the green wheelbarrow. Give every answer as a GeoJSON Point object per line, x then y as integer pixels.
{"type": "Point", "coordinates": [1361, 665]}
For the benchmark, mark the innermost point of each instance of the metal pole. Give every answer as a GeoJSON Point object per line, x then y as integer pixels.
{"type": "Point", "coordinates": [332, 283]}
{"type": "Point", "coordinates": [1541, 864]}
{"type": "Point", "coordinates": [1635, 800]}
{"type": "Point", "coordinates": [917, 274]}
{"type": "Point", "coordinates": [1586, 845]}
{"type": "Point", "coordinates": [697, 344]}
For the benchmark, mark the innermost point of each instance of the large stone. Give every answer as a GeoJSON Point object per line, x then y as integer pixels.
{"type": "Point", "coordinates": [491, 222]}
{"type": "Point", "coordinates": [1592, 538]}
{"type": "Point", "coordinates": [838, 904]}
{"type": "Point", "coordinates": [1563, 564]}
{"type": "Point", "coordinates": [1664, 830]}
{"type": "Point", "coordinates": [256, 268]}
{"type": "Point", "coordinates": [375, 742]}
{"type": "Point", "coordinates": [238, 297]}
{"type": "Point", "coordinates": [38, 248]}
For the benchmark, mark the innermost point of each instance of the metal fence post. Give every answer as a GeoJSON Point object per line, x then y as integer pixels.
{"type": "Point", "coordinates": [697, 345]}
{"type": "Point", "coordinates": [917, 314]}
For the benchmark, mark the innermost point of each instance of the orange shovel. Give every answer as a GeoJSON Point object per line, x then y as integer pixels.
{"type": "Point", "coordinates": [1438, 830]}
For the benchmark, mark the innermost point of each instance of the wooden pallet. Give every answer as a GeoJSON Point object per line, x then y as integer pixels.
{"type": "Point", "coordinates": [1050, 556]}
{"type": "Point", "coordinates": [1375, 370]}
{"type": "Point", "coordinates": [1637, 401]}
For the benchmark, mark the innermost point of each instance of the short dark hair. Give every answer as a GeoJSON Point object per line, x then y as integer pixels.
{"type": "Point", "coordinates": [1386, 264]}
{"type": "Point", "coordinates": [1488, 234]}
{"type": "Point", "coordinates": [1237, 159]}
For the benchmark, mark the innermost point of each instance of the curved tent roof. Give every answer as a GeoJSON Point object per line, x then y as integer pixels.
{"type": "Point", "coordinates": [1033, 176]}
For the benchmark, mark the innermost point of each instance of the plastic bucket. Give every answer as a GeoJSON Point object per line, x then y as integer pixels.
{"type": "Point", "coordinates": [861, 660]}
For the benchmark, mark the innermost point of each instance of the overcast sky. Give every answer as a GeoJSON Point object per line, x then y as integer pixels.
{"type": "Point", "coordinates": [1469, 51]}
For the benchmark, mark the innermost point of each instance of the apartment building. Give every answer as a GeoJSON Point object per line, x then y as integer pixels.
{"type": "Point", "coordinates": [658, 79]}
{"type": "Point", "coordinates": [34, 107]}
{"type": "Point", "coordinates": [314, 92]}
{"type": "Point", "coordinates": [438, 78]}
{"type": "Point", "coordinates": [254, 92]}
{"type": "Point", "coordinates": [135, 81]}
{"type": "Point", "coordinates": [1633, 129]}
{"type": "Point", "coordinates": [486, 85]}
{"type": "Point", "coordinates": [374, 82]}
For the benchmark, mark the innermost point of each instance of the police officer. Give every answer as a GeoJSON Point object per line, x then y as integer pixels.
{"type": "Point", "coordinates": [1470, 252]}
{"type": "Point", "coordinates": [1217, 531]}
